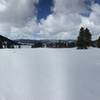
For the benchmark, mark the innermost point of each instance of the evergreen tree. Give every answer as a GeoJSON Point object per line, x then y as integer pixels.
{"type": "Point", "coordinates": [1, 44]}
{"type": "Point", "coordinates": [84, 39]}
{"type": "Point", "coordinates": [98, 42]}
{"type": "Point", "coordinates": [81, 41]}
{"type": "Point", "coordinates": [88, 37]}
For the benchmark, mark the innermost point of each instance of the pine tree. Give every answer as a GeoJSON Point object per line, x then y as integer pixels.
{"type": "Point", "coordinates": [98, 42]}
{"type": "Point", "coordinates": [80, 42]}
{"type": "Point", "coordinates": [84, 39]}
{"type": "Point", "coordinates": [88, 37]}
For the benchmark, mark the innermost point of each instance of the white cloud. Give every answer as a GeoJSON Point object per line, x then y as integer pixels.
{"type": "Point", "coordinates": [57, 25]}
{"type": "Point", "coordinates": [2, 5]}
{"type": "Point", "coordinates": [65, 21]}
{"type": "Point", "coordinates": [68, 6]}
{"type": "Point", "coordinates": [18, 19]}
{"type": "Point", "coordinates": [15, 14]}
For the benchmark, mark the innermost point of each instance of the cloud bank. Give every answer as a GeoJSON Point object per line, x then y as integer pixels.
{"type": "Point", "coordinates": [18, 19]}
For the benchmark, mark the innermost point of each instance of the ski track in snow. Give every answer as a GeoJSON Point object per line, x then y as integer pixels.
{"type": "Point", "coordinates": [49, 74]}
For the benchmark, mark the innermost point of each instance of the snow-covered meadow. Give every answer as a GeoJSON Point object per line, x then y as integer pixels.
{"type": "Point", "coordinates": [49, 74]}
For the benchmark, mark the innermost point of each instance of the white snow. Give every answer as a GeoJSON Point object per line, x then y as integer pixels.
{"type": "Point", "coordinates": [49, 74]}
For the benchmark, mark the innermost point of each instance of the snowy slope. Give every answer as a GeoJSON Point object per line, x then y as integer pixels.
{"type": "Point", "coordinates": [49, 74]}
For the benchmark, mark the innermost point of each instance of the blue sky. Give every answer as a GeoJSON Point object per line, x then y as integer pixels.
{"type": "Point", "coordinates": [44, 8]}
{"type": "Point", "coordinates": [97, 1]}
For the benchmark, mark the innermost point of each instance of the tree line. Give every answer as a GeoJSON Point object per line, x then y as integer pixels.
{"type": "Point", "coordinates": [84, 39]}
{"type": "Point", "coordinates": [53, 44]}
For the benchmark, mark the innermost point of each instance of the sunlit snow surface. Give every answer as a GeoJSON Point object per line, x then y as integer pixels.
{"type": "Point", "coordinates": [49, 74]}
